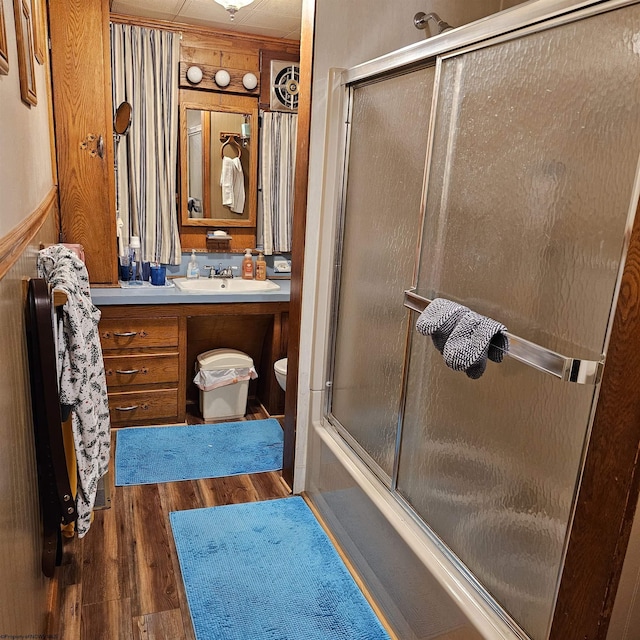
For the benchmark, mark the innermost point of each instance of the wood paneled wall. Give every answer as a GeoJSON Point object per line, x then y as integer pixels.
{"type": "Point", "coordinates": [237, 53]}
{"type": "Point", "coordinates": [80, 63]}
{"type": "Point", "coordinates": [23, 588]}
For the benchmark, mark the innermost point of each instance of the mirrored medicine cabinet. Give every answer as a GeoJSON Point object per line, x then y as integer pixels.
{"type": "Point", "coordinates": [211, 128]}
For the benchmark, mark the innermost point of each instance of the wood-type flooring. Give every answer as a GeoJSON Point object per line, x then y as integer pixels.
{"type": "Point", "coordinates": [122, 580]}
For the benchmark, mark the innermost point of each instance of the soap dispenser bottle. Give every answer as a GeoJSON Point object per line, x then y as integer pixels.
{"type": "Point", "coordinates": [261, 267]}
{"type": "Point", "coordinates": [135, 260]}
{"type": "Point", "coordinates": [193, 271]}
{"type": "Point", "coordinates": [247, 265]}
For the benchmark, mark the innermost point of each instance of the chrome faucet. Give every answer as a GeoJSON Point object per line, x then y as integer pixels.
{"type": "Point", "coordinates": [220, 271]}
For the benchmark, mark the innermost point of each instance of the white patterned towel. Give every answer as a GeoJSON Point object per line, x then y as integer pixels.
{"type": "Point", "coordinates": [82, 383]}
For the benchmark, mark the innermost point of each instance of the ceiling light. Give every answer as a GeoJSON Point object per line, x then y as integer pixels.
{"type": "Point", "coordinates": [250, 81]}
{"type": "Point", "coordinates": [194, 75]}
{"type": "Point", "coordinates": [222, 78]}
{"type": "Point", "coordinates": [233, 5]}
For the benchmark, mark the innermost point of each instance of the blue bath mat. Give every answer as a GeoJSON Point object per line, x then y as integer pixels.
{"type": "Point", "coordinates": [146, 455]}
{"type": "Point", "coordinates": [267, 571]}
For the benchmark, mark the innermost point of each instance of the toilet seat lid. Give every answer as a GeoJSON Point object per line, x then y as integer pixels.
{"type": "Point", "coordinates": [281, 366]}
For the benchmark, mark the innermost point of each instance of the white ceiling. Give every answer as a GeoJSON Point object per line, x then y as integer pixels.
{"type": "Point", "coordinates": [275, 18]}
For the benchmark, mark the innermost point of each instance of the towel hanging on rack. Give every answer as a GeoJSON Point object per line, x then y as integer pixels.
{"type": "Point", "coordinates": [82, 383]}
{"type": "Point", "coordinates": [474, 339]}
{"type": "Point", "coordinates": [465, 338]}
{"type": "Point", "coordinates": [232, 184]}
{"type": "Point", "coordinates": [565, 368]}
{"type": "Point", "coordinates": [439, 319]}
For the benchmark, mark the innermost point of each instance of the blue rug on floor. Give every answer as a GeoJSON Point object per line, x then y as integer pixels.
{"type": "Point", "coordinates": [146, 455]}
{"type": "Point", "coordinates": [267, 571]}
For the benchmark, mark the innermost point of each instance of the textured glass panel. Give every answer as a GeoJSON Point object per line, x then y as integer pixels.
{"type": "Point", "coordinates": [491, 465]}
{"type": "Point", "coordinates": [531, 180]}
{"type": "Point", "coordinates": [381, 230]}
{"type": "Point", "coordinates": [413, 601]}
{"type": "Point", "coordinates": [534, 158]}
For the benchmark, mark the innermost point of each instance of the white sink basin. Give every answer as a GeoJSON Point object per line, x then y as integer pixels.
{"type": "Point", "coordinates": [224, 285]}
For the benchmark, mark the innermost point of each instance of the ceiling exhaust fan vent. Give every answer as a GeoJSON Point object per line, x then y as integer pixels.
{"type": "Point", "coordinates": [285, 80]}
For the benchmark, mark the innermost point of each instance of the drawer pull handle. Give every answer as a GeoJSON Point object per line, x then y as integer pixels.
{"type": "Point", "coordinates": [144, 407]}
{"type": "Point", "coordinates": [125, 334]}
{"type": "Point", "coordinates": [128, 372]}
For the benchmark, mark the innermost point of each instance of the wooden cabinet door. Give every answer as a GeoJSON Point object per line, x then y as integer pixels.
{"type": "Point", "coordinates": [81, 74]}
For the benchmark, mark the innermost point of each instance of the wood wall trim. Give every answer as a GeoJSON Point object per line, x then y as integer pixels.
{"type": "Point", "coordinates": [49, 87]}
{"type": "Point", "coordinates": [608, 493]}
{"type": "Point", "coordinates": [12, 245]}
{"type": "Point", "coordinates": [187, 310]}
{"type": "Point", "coordinates": [237, 37]}
{"type": "Point", "coordinates": [301, 183]}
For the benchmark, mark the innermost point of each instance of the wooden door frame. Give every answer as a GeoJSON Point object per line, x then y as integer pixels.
{"type": "Point", "coordinates": [608, 492]}
{"type": "Point", "coordinates": [298, 236]}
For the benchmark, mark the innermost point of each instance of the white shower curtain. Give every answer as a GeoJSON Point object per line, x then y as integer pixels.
{"type": "Point", "coordinates": [144, 66]}
{"type": "Point", "coordinates": [277, 164]}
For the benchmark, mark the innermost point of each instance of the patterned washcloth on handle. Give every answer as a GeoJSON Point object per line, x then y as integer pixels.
{"type": "Point", "coordinates": [474, 339]}
{"type": "Point", "coordinates": [439, 319]}
{"type": "Point", "coordinates": [463, 337]}
{"type": "Point", "coordinates": [81, 377]}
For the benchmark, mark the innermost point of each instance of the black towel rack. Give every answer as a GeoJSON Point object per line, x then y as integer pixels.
{"type": "Point", "coordinates": [560, 366]}
{"type": "Point", "coordinates": [56, 497]}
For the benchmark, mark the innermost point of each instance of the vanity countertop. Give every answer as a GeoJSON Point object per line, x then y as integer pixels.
{"type": "Point", "coordinates": [105, 296]}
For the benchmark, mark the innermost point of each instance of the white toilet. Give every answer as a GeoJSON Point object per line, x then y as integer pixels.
{"type": "Point", "coordinates": [280, 368]}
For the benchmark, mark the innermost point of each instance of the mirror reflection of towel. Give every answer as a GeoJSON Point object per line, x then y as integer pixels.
{"type": "Point", "coordinates": [232, 183]}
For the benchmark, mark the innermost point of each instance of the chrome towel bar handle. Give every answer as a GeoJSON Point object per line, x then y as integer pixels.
{"type": "Point", "coordinates": [560, 366]}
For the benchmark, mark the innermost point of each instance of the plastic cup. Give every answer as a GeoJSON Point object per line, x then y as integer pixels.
{"type": "Point", "coordinates": [125, 269]}
{"type": "Point", "coordinates": [158, 276]}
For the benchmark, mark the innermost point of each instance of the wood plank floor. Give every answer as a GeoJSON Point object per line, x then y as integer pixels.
{"type": "Point", "coordinates": [122, 580]}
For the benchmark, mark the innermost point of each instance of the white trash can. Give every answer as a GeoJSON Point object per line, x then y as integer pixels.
{"type": "Point", "coordinates": [223, 375]}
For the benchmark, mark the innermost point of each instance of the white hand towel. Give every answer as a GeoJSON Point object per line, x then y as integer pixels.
{"type": "Point", "coordinates": [226, 181]}
{"type": "Point", "coordinates": [238, 187]}
{"type": "Point", "coordinates": [232, 184]}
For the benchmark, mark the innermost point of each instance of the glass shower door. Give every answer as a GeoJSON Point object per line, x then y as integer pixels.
{"type": "Point", "coordinates": [381, 229]}
{"type": "Point", "coordinates": [531, 186]}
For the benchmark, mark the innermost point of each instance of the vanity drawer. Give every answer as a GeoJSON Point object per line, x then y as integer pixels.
{"type": "Point", "coordinates": [129, 407]}
{"type": "Point", "coordinates": [138, 369]}
{"type": "Point", "coordinates": [138, 333]}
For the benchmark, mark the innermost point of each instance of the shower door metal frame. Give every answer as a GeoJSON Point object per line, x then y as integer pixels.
{"type": "Point", "coordinates": [569, 620]}
{"type": "Point", "coordinates": [517, 23]}
{"type": "Point", "coordinates": [346, 111]}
